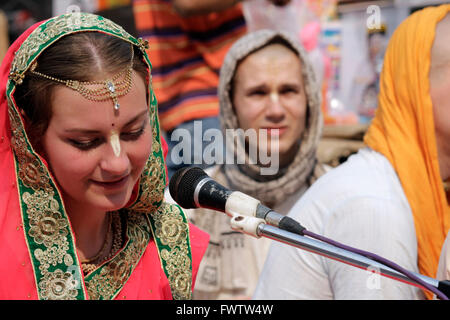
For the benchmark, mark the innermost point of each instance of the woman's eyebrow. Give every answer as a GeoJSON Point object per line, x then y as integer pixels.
{"type": "Point", "coordinates": [136, 117]}
{"type": "Point", "coordinates": [89, 131]}
{"type": "Point", "coordinates": [81, 130]}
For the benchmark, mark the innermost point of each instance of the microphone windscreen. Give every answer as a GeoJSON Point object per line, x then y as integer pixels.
{"type": "Point", "coordinates": [183, 183]}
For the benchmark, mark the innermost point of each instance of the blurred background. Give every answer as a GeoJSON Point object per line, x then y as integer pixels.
{"type": "Point", "coordinates": [345, 39]}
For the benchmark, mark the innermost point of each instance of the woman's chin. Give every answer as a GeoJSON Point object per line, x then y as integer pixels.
{"type": "Point", "coordinates": [112, 202]}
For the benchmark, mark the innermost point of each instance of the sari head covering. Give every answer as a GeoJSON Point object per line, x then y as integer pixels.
{"type": "Point", "coordinates": [34, 225]}
{"type": "Point", "coordinates": [403, 130]}
{"type": "Point", "coordinates": [304, 169]}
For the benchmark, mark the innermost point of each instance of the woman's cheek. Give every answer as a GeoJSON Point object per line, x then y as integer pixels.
{"type": "Point", "coordinates": [67, 162]}
{"type": "Point", "coordinates": [142, 150]}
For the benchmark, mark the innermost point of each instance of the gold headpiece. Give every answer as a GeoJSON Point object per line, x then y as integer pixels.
{"type": "Point", "coordinates": [111, 88]}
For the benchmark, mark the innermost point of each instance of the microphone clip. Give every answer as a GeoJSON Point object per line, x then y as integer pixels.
{"type": "Point", "coordinates": [246, 224]}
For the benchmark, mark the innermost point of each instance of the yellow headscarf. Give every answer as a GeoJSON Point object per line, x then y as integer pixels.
{"type": "Point", "coordinates": [403, 130]}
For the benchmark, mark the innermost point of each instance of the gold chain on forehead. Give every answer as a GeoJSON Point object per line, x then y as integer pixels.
{"type": "Point", "coordinates": [111, 88]}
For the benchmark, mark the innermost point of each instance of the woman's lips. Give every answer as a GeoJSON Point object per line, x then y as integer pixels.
{"type": "Point", "coordinates": [114, 184]}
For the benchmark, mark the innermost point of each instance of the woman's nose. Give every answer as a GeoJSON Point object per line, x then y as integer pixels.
{"type": "Point", "coordinates": [115, 159]}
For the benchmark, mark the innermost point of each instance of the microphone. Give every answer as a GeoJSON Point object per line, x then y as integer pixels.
{"type": "Point", "coordinates": [192, 188]}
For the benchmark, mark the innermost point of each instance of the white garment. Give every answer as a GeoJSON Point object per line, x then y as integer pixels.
{"type": "Point", "coordinates": [443, 272]}
{"type": "Point", "coordinates": [361, 204]}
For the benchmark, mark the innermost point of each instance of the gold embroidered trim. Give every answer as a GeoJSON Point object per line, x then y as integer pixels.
{"type": "Point", "coordinates": [58, 285]}
{"type": "Point", "coordinates": [47, 231]}
{"type": "Point", "coordinates": [143, 44]}
{"type": "Point", "coordinates": [109, 89]}
{"type": "Point", "coordinates": [173, 232]}
{"type": "Point", "coordinates": [31, 173]}
{"type": "Point", "coordinates": [52, 30]}
{"type": "Point", "coordinates": [44, 223]}
{"type": "Point", "coordinates": [106, 282]}
{"type": "Point", "coordinates": [152, 188]}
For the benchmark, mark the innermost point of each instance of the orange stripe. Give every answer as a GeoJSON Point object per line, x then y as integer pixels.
{"type": "Point", "coordinates": [173, 45]}
{"type": "Point", "coordinates": [175, 117]}
{"type": "Point", "coordinates": [163, 96]}
{"type": "Point", "coordinates": [158, 85]}
{"type": "Point", "coordinates": [193, 105]}
{"type": "Point", "coordinates": [183, 41]}
{"type": "Point", "coordinates": [167, 50]}
{"type": "Point", "coordinates": [150, 15]}
{"type": "Point", "coordinates": [162, 16]}
{"type": "Point", "coordinates": [109, 4]}
{"type": "Point", "coordinates": [147, 7]}
{"type": "Point", "coordinates": [159, 59]}
{"type": "Point", "coordinates": [212, 20]}
{"type": "Point", "coordinates": [174, 75]}
{"type": "Point", "coordinates": [206, 81]}
{"type": "Point", "coordinates": [164, 53]}
{"type": "Point", "coordinates": [220, 43]}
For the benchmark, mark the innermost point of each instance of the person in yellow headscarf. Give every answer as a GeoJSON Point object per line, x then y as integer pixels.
{"type": "Point", "coordinates": [390, 198]}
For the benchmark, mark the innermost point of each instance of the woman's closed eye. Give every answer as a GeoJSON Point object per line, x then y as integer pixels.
{"type": "Point", "coordinates": [86, 144]}
{"type": "Point", "coordinates": [89, 144]}
{"type": "Point", "coordinates": [133, 135]}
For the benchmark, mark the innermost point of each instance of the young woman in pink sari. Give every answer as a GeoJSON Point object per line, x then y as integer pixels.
{"type": "Point", "coordinates": [82, 214]}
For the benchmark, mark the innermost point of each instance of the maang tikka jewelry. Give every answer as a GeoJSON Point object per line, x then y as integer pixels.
{"type": "Point", "coordinates": [111, 88]}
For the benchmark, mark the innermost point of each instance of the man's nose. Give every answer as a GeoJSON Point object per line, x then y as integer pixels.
{"type": "Point", "coordinates": [275, 110]}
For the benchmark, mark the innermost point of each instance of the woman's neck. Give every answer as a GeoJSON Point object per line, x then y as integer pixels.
{"type": "Point", "coordinates": [90, 228]}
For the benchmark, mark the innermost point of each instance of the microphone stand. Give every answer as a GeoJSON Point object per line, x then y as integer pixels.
{"type": "Point", "coordinates": [257, 227]}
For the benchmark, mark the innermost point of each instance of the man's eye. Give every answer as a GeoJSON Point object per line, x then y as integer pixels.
{"type": "Point", "coordinates": [287, 90]}
{"type": "Point", "coordinates": [257, 93]}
